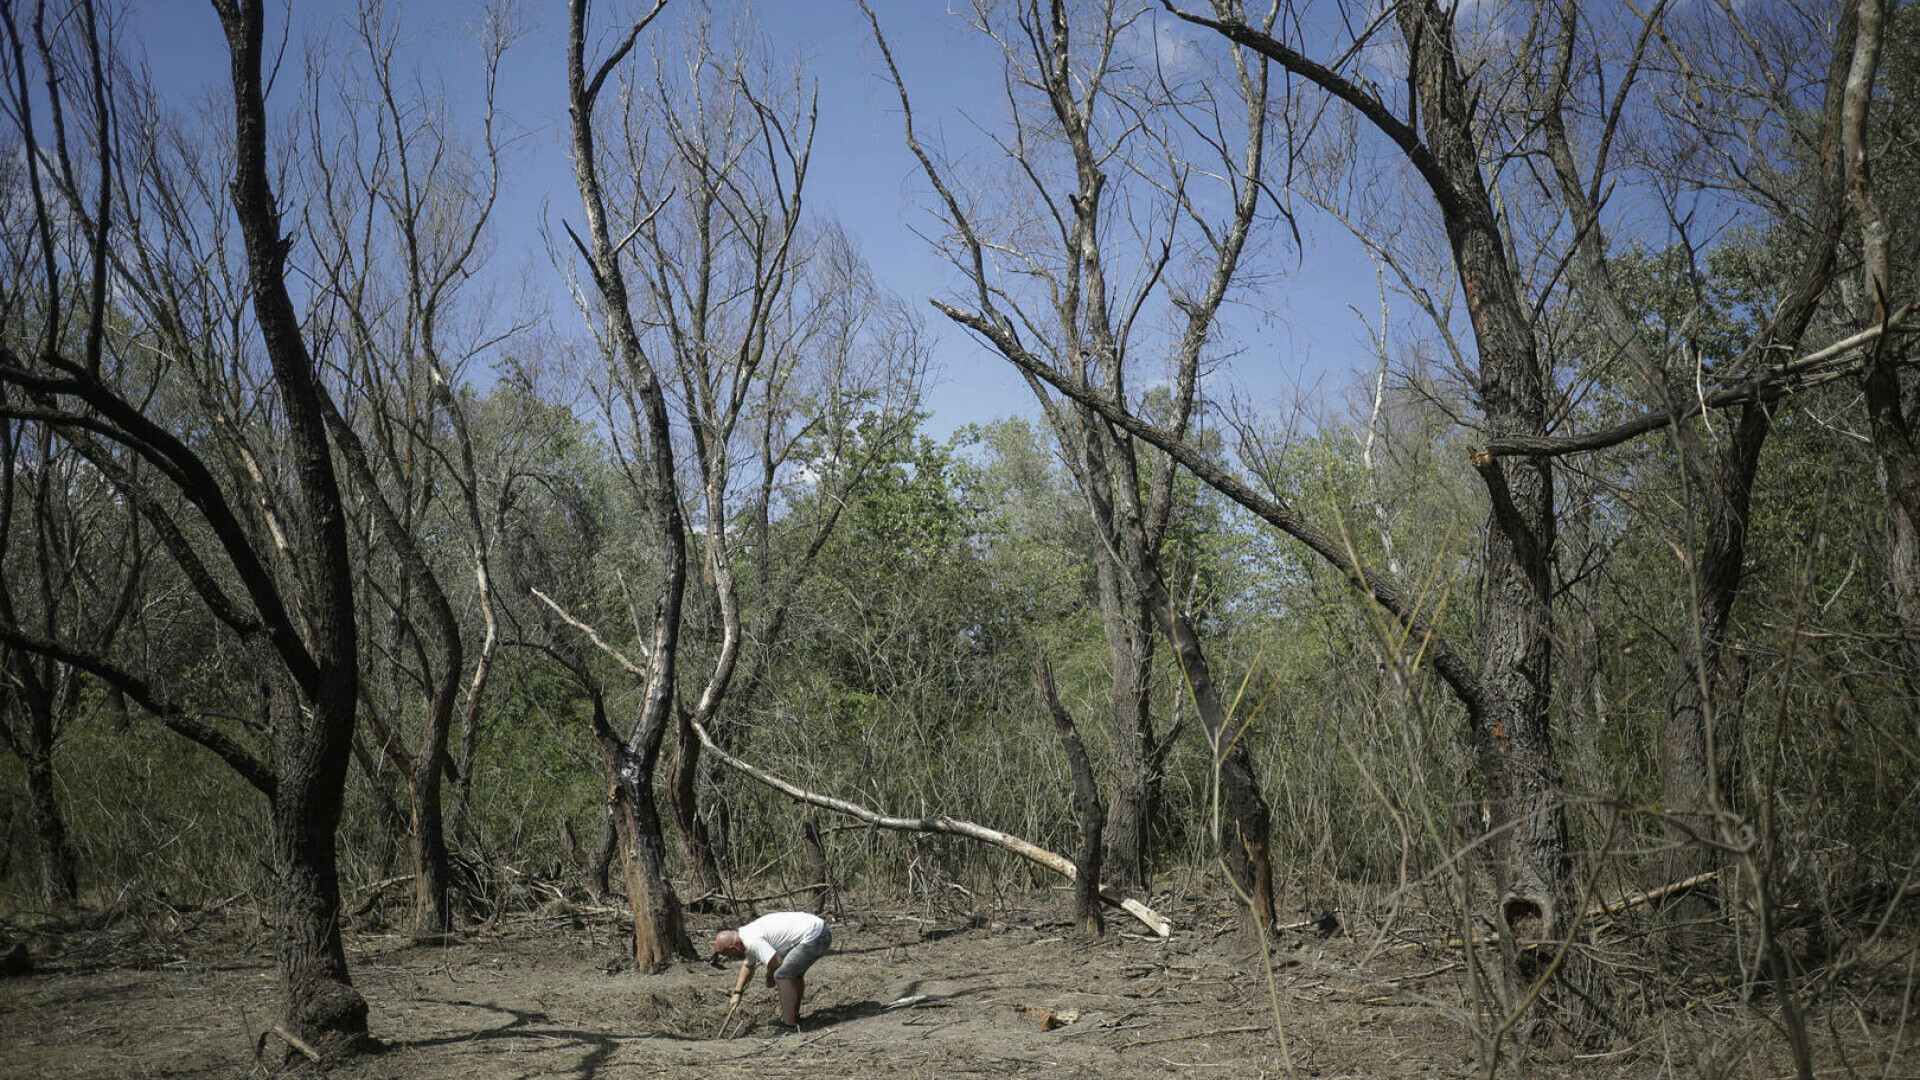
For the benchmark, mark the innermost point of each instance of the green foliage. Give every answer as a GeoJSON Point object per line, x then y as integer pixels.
{"type": "Point", "coordinates": [151, 817]}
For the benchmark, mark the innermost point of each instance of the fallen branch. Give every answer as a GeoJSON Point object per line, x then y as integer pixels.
{"type": "Point", "coordinates": [725, 899]}
{"type": "Point", "coordinates": [370, 894]}
{"type": "Point", "coordinates": [295, 1041]}
{"type": "Point", "coordinates": [1633, 900]}
{"type": "Point", "coordinates": [1059, 864]}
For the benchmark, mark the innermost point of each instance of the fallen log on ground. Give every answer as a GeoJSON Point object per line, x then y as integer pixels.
{"type": "Point", "coordinates": [1632, 900]}
{"type": "Point", "coordinates": [1059, 864]}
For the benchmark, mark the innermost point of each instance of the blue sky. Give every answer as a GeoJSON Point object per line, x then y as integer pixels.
{"type": "Point", "coordinates": [1297, 337]}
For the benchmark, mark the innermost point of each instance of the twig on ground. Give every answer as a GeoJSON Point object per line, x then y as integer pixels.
{"type": "Point", "coordinates": [1195, 1035]}
{"type": "Point", "coordinates": [295, 1041]}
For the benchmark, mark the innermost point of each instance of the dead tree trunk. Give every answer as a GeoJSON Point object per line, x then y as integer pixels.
{"type": "Point", "coordinates": [696, 846]}
{"type": "Point", "coordinates": [1086, 805]}
{"type": "Point", "coordinates": [1136, 782]}
{"type": "Point", "coordinates": [659, 934]}
{"type": "Point", "coordinates": [58, 879]}
{"type": "Point", "coordinates": [659, 927]}
{"type": "Point", "coordinates": [317, 733]}
{"type": "Point", "coordinates": [1246, 836]}
{"type": "Point", "coordinates": [819, 873]}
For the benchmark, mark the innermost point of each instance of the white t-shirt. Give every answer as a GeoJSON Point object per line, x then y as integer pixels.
{"type": "Point", "coordinates": [779, 934]}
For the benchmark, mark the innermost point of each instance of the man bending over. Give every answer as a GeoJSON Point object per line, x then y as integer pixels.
{"type": "Point", "coordinates": [787, 942]}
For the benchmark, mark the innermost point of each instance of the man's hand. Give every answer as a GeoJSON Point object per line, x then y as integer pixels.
{"type": "Point", "coordinates": [774, 965]}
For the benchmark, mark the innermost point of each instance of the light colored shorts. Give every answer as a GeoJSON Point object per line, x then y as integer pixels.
{"type": "Point", "coordinates": [802, 956]}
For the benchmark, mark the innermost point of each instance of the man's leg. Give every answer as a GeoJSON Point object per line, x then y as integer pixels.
{"type": "Point", "coordinates": [791, 991]}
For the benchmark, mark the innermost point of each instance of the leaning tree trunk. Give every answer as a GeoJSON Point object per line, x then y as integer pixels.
{"type": "Point", "coordinates": [1086, 806]}
{"type": "Point", "coordinates": [1246, 833]}
{"type": "Point", "coordinates": [696, 845]}
{"type": "Point", "coordinates": [432, 912]}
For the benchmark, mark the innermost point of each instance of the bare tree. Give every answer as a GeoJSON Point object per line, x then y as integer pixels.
{"type": "Point", "coordinates": [1720, 478]}
{"type": "Point", "coordinates": [70, 562]}
{"type": "Point", "coordinates": [68, 366]}
{"type": "Point", "coordinates": [1120, 277]}
{"type": "Point", "coordinates": [1455, 126]}
{"type": "Point", "coordinates": [737, 333]}
{"type": "Point", "coordinates": [1881, 308]}
{"type": "Point", "coordinates": [399, 213]}
{"type": "Point", "coordinates": [659, 932]}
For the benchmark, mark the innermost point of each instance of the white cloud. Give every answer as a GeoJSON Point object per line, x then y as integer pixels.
{"type": "Point", "coordinates": [1159, 43]}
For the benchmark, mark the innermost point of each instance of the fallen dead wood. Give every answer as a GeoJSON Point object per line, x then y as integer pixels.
{"type": "Point", "coordinates": [295, 1041]}
{"type": "Point", "coordinates": [1059, 864]}
{"type": "Point", "coordinates": [370, 895]}
{"type": "Point", "coordinates": [726, 899]}
{"type": "Point", "coordinates": [1615, 907]}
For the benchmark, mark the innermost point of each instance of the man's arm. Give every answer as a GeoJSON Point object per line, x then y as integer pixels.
{"type": "Point", "coordinates": [746, 973]}
{"type": "Point", "coordinates": [773, 965]}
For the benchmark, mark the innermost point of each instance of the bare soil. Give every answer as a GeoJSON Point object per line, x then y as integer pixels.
{"type": "Point", "coordinates": [906, 993]}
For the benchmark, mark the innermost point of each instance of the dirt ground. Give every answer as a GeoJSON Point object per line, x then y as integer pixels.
{"type": "Point", "coordinates": [906, 993]}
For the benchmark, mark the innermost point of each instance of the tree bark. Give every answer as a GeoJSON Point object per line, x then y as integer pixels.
{"type": "Point", "coordinates": [696, 846]}
{"type": "Point", "coordinates": [1086, 805]}
{"type": "Point", "coordinates": [58, 876]}
{"type": "Point", "coordinates": [314, 739]}
{"type": "Point", "coordinates": [1136, 783]}
{"type": "Point", "coordinates": [1245, 838]}
{"type": "Point", "coordinates": [819, 873]}
{"type": "Point", "coordinates": [432, 912]}
{"type": "Point", "coordinates": [659, 929]}
{"type": "Point", "coordinates": [321, 1004]}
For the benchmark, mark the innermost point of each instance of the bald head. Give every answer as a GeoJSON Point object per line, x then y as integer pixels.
{"type": "Point", "coordinates": [727, 943]}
